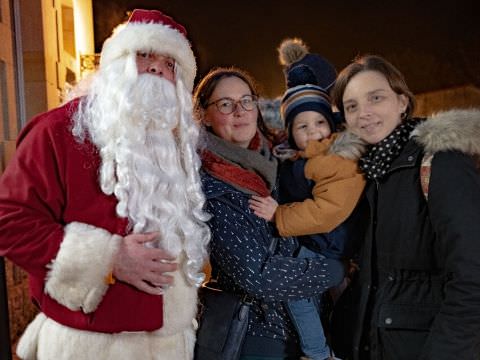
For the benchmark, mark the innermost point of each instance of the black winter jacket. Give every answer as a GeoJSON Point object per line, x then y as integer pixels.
{"type": "Point", "coordinates": [417, 293]}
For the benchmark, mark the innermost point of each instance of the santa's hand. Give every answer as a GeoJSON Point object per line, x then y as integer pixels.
{"type": "Point", "coordinates": [143, 267]}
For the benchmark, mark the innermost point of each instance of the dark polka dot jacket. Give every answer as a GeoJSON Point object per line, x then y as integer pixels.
{"type": "Point", "coordinates": [242, 262]}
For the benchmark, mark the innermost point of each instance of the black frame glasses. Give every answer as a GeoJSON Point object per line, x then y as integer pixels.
{"type": "Point", "coordinates": [228, 106]}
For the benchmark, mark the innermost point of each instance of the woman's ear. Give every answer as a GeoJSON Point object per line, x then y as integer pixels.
{"type": "Point", "coordinates": [200, 115]}
{"type": "Point", "coordinates": [403, 102]}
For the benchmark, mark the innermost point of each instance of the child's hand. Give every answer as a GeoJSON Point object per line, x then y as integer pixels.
{"type": "Point", "coordinates": [263, 207]}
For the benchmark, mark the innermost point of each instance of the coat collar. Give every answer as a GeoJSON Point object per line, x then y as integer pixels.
{"type": "Point", "coordinates": [347, 145]}
{"type": "Point", "coordinates": [213, 188]}
{"type": "Point", "coordinates": [408, 157]}
{"type": "Point", "coordinates": [457, 130]}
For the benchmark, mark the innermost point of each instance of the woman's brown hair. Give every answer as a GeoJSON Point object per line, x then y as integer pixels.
{"type": "Point", "coordinates": [209, 82]}
{"type": "Point", "coordinates": [373, 63]}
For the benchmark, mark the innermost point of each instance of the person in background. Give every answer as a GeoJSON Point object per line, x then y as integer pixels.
{"type": "Point", "coordinates": [237, 163]}
{"type": "Point", "coordinates": [102, 206]}
{"type": "Point", "coordinates": [417, 293]}
{"type": "Point", "coordinates": [320, 182]}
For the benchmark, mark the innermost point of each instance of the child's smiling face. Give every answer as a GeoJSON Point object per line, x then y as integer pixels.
{"type": "Point", "coordinates": [308, 126]}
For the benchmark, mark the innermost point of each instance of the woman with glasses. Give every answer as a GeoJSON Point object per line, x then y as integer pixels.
{"type": "Point", "coordinates": [238, 163]}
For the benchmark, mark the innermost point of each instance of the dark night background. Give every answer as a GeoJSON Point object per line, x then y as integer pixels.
{"type": "Point", "coordinates": [436, 44]}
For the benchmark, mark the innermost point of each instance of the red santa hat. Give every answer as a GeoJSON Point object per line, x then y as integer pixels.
{"type": "Point", "coordinates": [151, 30]}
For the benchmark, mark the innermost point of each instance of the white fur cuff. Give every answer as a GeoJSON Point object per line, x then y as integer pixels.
{"type": "Point", "coordinates": [77, 275]}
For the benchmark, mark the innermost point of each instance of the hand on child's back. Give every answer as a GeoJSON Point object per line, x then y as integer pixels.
{"type": "Point", "coordinates": [263, 207]}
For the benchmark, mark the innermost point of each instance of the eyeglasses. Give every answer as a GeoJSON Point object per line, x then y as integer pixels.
{"type": "Point", "coordinates": [227, 106]}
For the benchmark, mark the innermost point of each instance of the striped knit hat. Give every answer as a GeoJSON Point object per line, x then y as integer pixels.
{"type": "Point", "coordinates": [309, 77]}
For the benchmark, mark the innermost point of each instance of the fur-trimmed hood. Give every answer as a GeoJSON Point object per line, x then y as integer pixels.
{"type": "Point", "coordinates": [348, 145]}
{"type": "Point", "coordinates": [456, 129]}
{"type": "Point", "coordinates": [344, 144]}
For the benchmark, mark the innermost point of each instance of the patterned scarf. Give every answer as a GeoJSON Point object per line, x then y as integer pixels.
{"type": "Point", "coordinates": [379, 157]}
{"type": "Point", "coordinates": [252, 170]}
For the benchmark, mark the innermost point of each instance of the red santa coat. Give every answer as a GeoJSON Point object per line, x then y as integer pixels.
{"type": "Point", "coordinates": [56, 223]}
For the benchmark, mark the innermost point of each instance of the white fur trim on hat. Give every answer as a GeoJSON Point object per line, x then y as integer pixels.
{"type": "Point", "coordinates": [77, 275]}
{"type": "Point", "coordinates": [162, 39]}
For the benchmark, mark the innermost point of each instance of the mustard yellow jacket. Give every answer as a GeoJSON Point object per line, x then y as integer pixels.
{"type": "Point", "coordinates": [332, 166]}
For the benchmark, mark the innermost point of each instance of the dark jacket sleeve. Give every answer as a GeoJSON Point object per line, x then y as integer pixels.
{"type": "Point", "coordinates": [454, 206]}
{"type": "Point", "coordinates": [240, 249]}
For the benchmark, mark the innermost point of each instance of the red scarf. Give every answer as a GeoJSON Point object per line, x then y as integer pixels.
{"type": "Point", "coordinates": [233, 173]}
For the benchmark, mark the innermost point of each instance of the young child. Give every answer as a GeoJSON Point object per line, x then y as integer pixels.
{"type": "Point", "coordinates": [320, 184]}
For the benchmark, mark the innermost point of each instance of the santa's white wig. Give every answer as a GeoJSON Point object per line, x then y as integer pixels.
{"type": "Point", "coordinates": [147, 138]}
{"type": "Point", "coordinates": [152, 31]}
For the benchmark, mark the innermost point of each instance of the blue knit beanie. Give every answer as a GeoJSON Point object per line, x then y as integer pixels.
{"type": "Point", "coordinates": [309, 77]}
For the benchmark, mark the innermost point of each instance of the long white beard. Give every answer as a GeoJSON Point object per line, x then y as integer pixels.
{"type": "Point", "coordinates": [147, 145]}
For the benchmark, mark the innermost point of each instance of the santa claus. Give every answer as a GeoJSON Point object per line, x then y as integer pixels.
{"type": "Point", "coordinates": [102, 206]}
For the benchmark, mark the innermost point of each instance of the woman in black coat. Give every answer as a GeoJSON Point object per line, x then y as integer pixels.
{"type": "Point", "coordinates": [417, 292]}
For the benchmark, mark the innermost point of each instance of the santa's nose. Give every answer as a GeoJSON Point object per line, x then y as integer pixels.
{"type": "Point", "coordinates": [157, 68]}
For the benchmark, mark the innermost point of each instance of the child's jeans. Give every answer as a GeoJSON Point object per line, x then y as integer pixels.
{"type": "Point", "coordinates": [305, 315]}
